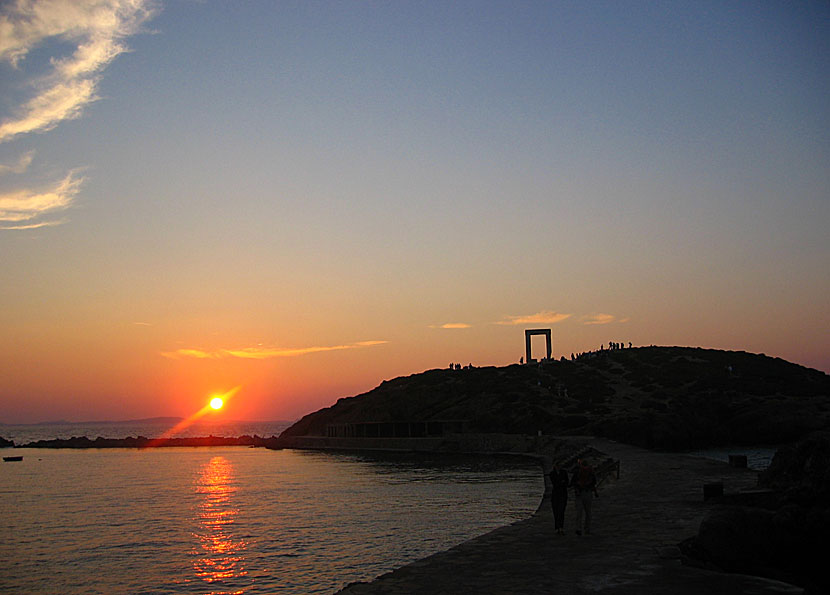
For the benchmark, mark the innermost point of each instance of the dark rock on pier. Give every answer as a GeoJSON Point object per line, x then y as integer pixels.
{"type": "Point", "coordinates": [783, 535]}
{"type": "Point", "coordinates": [803, 470]}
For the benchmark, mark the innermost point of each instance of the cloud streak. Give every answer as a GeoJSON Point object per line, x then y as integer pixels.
{"type": "Point", "coordinates": [21, 207]}
{"type": "Point", "coordinates": [451, 325]}
{"type": "Point", "coordinates": [602, 319]}
{"type": "Point", "coordinates": [96, 29]}
{"type": "Point", "coordinates": [543, 317]}
{"type": "Point", "coordinates": [260, 352]}
{"type": "Point", "coordinates": [598, 319]}
{"type": "Point", "coordinates": [34, 225]}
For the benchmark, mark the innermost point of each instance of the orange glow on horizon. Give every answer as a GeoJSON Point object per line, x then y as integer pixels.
{"type": "Point", "coordinates": [210, 407]}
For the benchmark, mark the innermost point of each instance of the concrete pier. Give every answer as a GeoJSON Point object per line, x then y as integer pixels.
{"type": "Point", "coordinates": [638, 521]}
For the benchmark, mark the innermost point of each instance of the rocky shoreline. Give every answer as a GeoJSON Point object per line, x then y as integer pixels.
{"type": "Point", "coordinates": [144, 442]}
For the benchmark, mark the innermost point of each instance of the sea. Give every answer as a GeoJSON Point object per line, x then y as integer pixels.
{"type": "Point", "coordinates": [758, 458]}
{"type": "Point", "coordinates": [236, 520]}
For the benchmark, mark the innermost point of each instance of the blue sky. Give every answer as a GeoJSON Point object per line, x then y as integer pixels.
{"type": "Point", "coordinates": [343, 180]}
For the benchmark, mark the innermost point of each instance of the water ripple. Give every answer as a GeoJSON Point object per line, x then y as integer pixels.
{"type": "Point", "coordinates": [236, 520]}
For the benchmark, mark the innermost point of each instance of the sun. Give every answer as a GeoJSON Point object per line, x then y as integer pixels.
{"type": "Point", "coordinates": [216, 403]}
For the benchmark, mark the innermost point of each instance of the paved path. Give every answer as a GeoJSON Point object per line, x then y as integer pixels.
{"type": "Point", "coordinates": [637, 522]}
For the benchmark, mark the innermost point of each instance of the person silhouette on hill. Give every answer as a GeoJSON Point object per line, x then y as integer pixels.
{"type": "Point", "coordinates": [584, 482]}
{"type": "Point", "coordinates": [559, 497]}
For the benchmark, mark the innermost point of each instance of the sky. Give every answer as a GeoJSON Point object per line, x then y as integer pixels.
{"type": "Point", "coordinates": [299, 200]}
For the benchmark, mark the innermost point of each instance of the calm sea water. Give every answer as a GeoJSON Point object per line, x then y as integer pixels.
{"type": "Point", "coordinates": [240, 520]}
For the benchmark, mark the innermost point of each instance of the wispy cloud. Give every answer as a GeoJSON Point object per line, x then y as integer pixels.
{"type": "Point", "coordinates": [19, 166]}
{"type": "Point", "coordinates": [26, 205]}
{"type": "Point", "coordinates": [543, 317]}
{"type": "Point", "coordinates": [451, 325]}
{"type": "Point", "coordinates": [260, 352]}
{"type": "Point", "coordinates": [602, 319]}
{"type": "Point", "coordinates": [598, 319]}
{"type": "Point", "coordinates": [34, 225]}
{"type": "Point", "coordinates": [197, 353]}
{"type": "Point", "coordinates": [95, 28]}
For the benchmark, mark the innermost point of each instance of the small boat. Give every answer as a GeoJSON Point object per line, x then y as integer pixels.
{"type": "Point", "coordinates": [17, 458]}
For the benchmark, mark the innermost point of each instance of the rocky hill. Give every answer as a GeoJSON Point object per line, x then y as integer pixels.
{"type": "Point", "coordinates": [657, 397]}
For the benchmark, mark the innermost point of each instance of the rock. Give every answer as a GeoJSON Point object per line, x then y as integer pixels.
{"type": "Point", "coordinates": [738, 539]}
{"type": "Point", "coordinates": [784, 536]}
{"type": "Point", "coordinates": [6, 443]}
{"type": "Point", "coordinates": [142, 442]}
{"type": "Point", "coordinates": [803, 470]}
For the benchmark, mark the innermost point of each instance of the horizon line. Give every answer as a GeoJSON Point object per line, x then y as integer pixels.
{"type": "Point", "coordinates": [156, 419]}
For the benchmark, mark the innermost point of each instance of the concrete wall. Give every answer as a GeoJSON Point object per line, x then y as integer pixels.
{"type": "Point", "coordinates": [464, 443]}
{"type": "Point", "coordinates": [327, 443]}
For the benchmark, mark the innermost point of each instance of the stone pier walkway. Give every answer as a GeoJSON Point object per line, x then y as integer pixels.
{"type": "Point", "coordinates": [637, 522]}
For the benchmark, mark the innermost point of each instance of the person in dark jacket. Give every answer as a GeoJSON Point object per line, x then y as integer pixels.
{"type": "Point", "coordinates": [559, 496]}
{"type": "Point", "coordinates": [584, 483]}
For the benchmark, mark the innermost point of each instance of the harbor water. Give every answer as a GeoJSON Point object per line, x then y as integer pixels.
{"type": "Point", "coordinates": [240, 520]}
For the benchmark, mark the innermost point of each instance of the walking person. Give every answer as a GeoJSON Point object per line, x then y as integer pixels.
{"type": "Point", "coordinates": [585, 486]}
{"type": "Point", "coordinates": [559, 497]}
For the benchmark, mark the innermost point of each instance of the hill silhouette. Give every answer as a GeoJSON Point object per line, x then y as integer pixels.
{"type": "Point", "coordinates": [672, 398]}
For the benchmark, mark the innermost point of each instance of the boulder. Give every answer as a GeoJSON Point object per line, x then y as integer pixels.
{"type": "Point", "coordinates": [738, 538]}
{"type": "Point", "coordinates": [784, 537]}
{"type": "Point", "coordinates": [803, 470]}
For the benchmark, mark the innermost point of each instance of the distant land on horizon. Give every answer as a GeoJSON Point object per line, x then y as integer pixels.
{"type": "Point", "coordinates": [146, 420]}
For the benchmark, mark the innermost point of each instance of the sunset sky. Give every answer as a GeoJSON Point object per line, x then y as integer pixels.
{"type": "Point", "coordinates": [302, 199]}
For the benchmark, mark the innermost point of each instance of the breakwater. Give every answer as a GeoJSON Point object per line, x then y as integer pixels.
{"type": "Point", "coordinates": [460, 443]}
{"type": "Point", "coordinates": [144, 442]}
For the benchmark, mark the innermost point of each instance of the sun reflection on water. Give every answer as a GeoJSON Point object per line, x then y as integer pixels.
{"type": "Point", "coordinates": [220, 557]}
